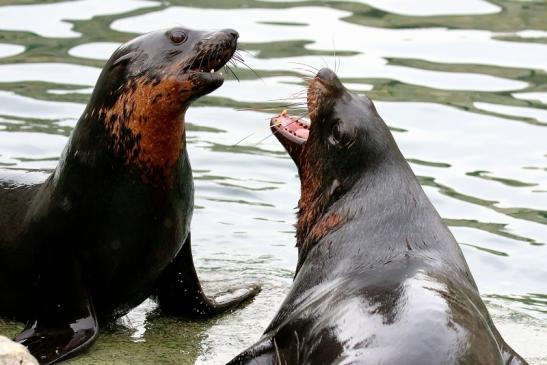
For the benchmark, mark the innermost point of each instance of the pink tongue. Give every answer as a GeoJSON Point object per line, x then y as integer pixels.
{"type": "Point", "coordinates": [302, 133]}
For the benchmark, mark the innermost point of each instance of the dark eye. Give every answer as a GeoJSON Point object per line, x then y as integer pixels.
{"type": "Point", "coordinates": [178, 36]}
{"type": "Point", "coordinates": [335, 135]}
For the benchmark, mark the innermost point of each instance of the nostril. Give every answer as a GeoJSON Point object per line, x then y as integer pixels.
{"type": "Point", "coordinates": [326, 74]}
{"type": "Point", "coordinates": [232, 32]}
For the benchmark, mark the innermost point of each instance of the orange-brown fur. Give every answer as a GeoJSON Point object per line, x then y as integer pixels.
{"type": "Point", "coordinates": [314, 95]}
{"type": "Point", "coordinates": [327, 224]}
{"type": "Point", "coordinates": [313, 221]}
{"type": "Point", "coordinates": [153, 116]}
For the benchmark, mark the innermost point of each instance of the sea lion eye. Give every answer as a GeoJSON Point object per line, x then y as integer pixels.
{"type": "Point", "coordinates": [178, 36]}
{"type": "Point", "coordinates": [335, 135]}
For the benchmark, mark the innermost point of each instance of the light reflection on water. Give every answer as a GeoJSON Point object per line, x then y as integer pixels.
{"type": "Point", "coordinates": [464, 94]}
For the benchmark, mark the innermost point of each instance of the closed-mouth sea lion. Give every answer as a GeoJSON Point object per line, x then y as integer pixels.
{"type": "Point", "coordinates": [111, 225]}
{"type": "Point", "coordinates": [380, 279]}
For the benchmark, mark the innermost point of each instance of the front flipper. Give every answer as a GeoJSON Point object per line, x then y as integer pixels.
{"type": "Point", "coordinates": [180, 293]}
{"type": "Point", "coordinates": [64, 322]}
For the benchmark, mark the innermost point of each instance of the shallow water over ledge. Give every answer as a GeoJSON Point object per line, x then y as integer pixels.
{"type": "Point", "coordinates": [462, 84]}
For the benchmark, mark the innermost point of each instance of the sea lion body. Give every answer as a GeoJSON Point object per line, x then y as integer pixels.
{"type": "Point", "coordinates": [124, 247]}
{"type": "Point", "coordinates": [111, 225]}
{"type": "Point", "coordinates": [380, 278]}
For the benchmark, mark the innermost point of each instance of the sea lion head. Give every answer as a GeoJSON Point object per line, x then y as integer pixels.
{"type": "Point", "coordinates": [177, 62]}
{"type": "Point", "coordinates": [344, 138]}
{"type": "Point", "coordinates": [146, 87]}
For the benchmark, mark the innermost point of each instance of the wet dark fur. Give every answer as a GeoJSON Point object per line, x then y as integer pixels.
{"type": "Point", "coordinates": [380, 278]}
{"type": "Point", "coordinates": [111, 225]}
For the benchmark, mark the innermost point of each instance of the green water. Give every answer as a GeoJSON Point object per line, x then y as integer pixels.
{"type": "Point", "coordinates": [462, 84]}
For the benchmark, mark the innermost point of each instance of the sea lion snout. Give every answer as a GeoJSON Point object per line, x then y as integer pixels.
{"type": "Point", "coordinates": [324, 90]}
{"type": "Point", "coordinates": [225, 38]}
{"type": "Point", "coordinates": [328, 78]}
{"type": "Point", "coordinates": [232, 33]}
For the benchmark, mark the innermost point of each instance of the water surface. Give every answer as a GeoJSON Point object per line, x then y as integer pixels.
{"type": "Point", "coordinates": [462, 84]}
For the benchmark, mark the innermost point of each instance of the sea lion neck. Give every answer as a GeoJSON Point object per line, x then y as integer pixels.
{"type": "Point", "coordinates": [146, 131]}
{"type": "Point", "coordinates": [328, 202]}
{"type": "Point", "coordinates": [137, 133]}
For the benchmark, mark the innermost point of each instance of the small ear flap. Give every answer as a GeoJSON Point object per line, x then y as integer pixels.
{"type": "Point", "coordinates": [125, 58]}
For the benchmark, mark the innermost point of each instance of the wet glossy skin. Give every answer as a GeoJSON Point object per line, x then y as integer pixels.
{"type": "Point", "coordinates": [380, 279]}
{"type": "Point", "coordinates": [111, 226]}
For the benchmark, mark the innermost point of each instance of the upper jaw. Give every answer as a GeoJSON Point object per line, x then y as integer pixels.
{"type": "Point", "coordinates": [204, 64]}
{"type": "Point", "coordinates": [210, 60]}
{"type": "Point", "coordinates": [323, 90]}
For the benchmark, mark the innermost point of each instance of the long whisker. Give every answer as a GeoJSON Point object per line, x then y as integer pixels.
{"type": "Point", "coordinates": [253, 71]}
{"type": "Point", "coordinates": [244, 138]}
{"type": "Point", "coordinates": [233, 63]}
{"type": "Point", "coordinates": [288, 101]}
{"type": "Point", "coordinates": [325, 62]}
{"type": "Point", "coordinates": [336, 65]}
{"type": "Point", "coordinates": [306, 70]}
{"type": "Point", "coordinates": [265, 138]}
{"type": "Point", "coordinates": [240, 59]}
{"type": "Point", "coordinates": [226, 67]}
{"type": "Point", "coordinates": [200, 63]}
{"type": "Point", "coordinates": [246, 51]}
{"type": "Point", "coordinates": [276, 107]}
{"type": "Point", "coordinates": [297, 96]}
{"type": "Point", "coordinates": [305, 64]}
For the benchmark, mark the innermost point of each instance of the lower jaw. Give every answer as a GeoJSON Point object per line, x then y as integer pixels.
{"type": "Point", "coordinates": [207, 86]}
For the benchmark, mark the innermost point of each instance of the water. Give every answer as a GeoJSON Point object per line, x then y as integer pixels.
{"type": "Point", "coordinates": [461, 83]}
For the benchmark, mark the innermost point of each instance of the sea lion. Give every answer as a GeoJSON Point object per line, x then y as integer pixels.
{"type": "Point", "coordinates": [380, 279]}
{"type": "Point", "coordinates": [110, 226]}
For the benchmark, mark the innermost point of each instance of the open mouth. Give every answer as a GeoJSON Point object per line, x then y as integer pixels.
{"type": "Point", "coordinates": [212, 65]}
{"type": "Point", "coordinates": [296, 130]}
{"type": "Point", "coordinates": [292, 131]}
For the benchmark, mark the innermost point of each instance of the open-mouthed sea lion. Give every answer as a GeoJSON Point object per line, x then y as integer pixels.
{"type": "Point", "coordinates": [380, 278]}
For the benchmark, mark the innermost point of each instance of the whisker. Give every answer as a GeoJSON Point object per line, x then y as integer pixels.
{"type": "Point", "coordinates": [336, 59]}
{"type": "Point", "coordinates": [325, 61]}
{"type": "Point", "coordinates": [305, 64]}
{"type": "Point", "coordinates": [237, 57]}
{"type": "Point", "coordinates": [276, 107]}
{"type": "Point", "coordinates": [244, 50]}
{"type": "Point", "coordinates": [297, 100]}
{"type": "Point", "coordinates": [306, 70]}
{"type": "Point", "coordinates": [200, 63]}
{"type": "Point", "coordinates": [253, 71]}
{"type": "Point", "coordinates": [263, 139]}
{"type": "Point", "coordinates": [244, 138]}
{"type": "Point", "coordinates": [297, 96]}
{"type": "Point", "coordinates": [232, 71]}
